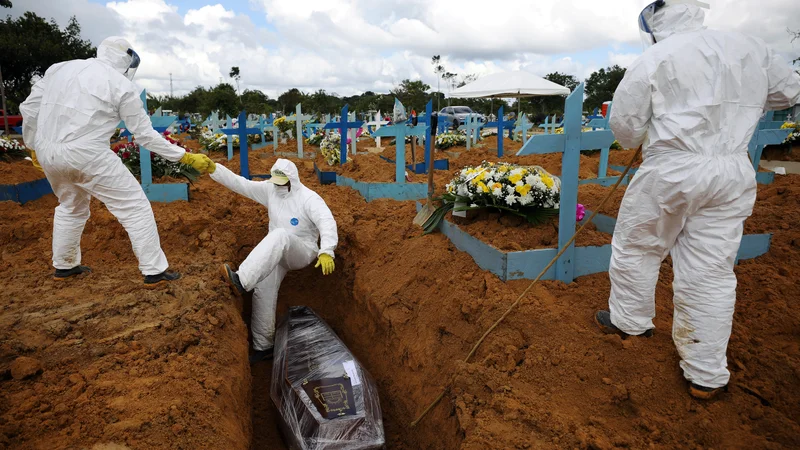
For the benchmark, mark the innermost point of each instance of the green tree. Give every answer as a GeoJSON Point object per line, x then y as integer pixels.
{"type": "Point", "coordinates": [601, 85]}
{"type": "Point", "coordinates": [221, 98]}
{"type": "Point", "coordinates": [542, 106]}
{"type": "Point", "coordinates": [256, 102]}
{"type": "Point", "coordinates": [438, 69]}
{"type": "Point", "coordinates": [234, 73]}
{"type": "Point", "coordinates": [5, 3]}
{"type": "Point", "coordinates": [324, 103]}
{"type": "Point", "coordinates": [412, 94]}
{"type": "Point", "coordinates": [289, 99]}
{"type": "Point", "coordinates": [29, 45]}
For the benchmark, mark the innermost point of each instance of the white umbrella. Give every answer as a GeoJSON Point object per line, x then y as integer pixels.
{"type": "Point", "coordinates": [516, 84]}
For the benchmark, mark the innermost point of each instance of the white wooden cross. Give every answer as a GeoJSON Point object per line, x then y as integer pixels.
{"type": "Point", "coordinates": [377, 122]}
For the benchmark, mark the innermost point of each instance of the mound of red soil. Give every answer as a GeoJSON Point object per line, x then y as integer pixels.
{"type": "Point", "coordinates": [20, 171]}
{"type": "Point", "coordinates": [166, 368]}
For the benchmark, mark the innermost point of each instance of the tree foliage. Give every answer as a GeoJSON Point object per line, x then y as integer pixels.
{"type": "Point", "coordinates": [29, 45]}
{"type": "Point", "coordinates": [601, 85]}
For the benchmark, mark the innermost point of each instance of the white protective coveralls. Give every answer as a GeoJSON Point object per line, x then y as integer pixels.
{"type": "Point", "coordinates": [298, 219]}
{"type": "Point", "coordinates": [68, 120]}
{"type": "Point", "coordinates": [694, 100]}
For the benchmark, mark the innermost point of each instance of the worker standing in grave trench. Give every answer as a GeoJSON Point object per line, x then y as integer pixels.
{"type": "Point", "coordinates": [693, 100]}
{"type": "Point", "coordinates": [298, 220]}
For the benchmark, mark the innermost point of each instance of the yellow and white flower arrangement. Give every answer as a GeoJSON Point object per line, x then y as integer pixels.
{"type": "Point", "coordinates": [794, 136]}
{"type": "Point", "coordinates": [330, 147]}
{"type": "Point", "coordinates": [450, 139]}
{"type": "Point", "coordinates": [527, 191]}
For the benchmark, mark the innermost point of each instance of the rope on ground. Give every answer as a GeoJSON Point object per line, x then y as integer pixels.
{"type": "Point", "coordinates": [538, 277]}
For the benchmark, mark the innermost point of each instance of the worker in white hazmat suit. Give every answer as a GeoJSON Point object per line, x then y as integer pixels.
{"type": "Point", "coordinates": [693, 100]}
{"type": "Point", "coordinates": [68, 119]}
{"type": "Point", "coordinates": [298, 220]}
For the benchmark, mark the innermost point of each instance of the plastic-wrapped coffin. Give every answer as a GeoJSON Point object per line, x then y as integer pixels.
{"type": "Point", "coordinates": [326, 400]}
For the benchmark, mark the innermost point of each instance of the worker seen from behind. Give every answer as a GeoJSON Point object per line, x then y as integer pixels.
{"type": "Point", "coordinates": [68, 120]}
{"type": "Point", "coordinates": [299, 219]}
{"type": "Point", "coordinates": [693, 100]}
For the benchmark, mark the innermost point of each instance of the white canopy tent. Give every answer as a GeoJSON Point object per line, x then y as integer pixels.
{"type": "Point", "coordinates": [516, 84]}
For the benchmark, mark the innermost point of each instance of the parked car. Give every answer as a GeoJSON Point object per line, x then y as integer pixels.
{"type": "Point", "coordinates": [457, 114]}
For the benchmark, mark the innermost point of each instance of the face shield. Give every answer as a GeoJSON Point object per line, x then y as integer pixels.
{"type": "Point", "coordinates": [131, 71]}
{"type": "Point", "coordinates": [646, 17]}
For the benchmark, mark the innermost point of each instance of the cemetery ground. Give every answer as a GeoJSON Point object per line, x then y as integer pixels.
{"type": "Point", "coordinates": [101, 360]}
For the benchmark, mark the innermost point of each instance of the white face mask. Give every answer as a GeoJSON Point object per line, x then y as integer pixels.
{"type": "Point", "coordinates": [646, 17]}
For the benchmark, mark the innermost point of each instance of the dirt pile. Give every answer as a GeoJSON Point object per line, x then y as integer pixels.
{"type": "Point", "coordinates": [20, 171]}
{"type": "Point", "coordinates": [166, 368]}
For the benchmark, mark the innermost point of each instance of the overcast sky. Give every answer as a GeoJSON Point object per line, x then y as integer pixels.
{"type": "Point", "coordinates": [350, 46]}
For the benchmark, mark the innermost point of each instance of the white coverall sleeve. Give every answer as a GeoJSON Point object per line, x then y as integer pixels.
{"type": "Point", "coordinates": [322, 217]}
{"type": "Point", "coordinates": [630, 115]}
{"type": "Point", "coordinates": [254, 190]}
{"type": "Point", "coordinates": [30, 113]}
{"type": "Point", "coordinates": [131, 110]}
{"type": "Point", "coordinates": [784, 84]}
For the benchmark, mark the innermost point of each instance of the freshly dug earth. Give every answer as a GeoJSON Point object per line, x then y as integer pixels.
{"type": "Point", "coordinates": [20, 171]}
{"type": "Point", "coordinates": [116, 358]}
{"type": "Point", "coordinates": [781, 153]}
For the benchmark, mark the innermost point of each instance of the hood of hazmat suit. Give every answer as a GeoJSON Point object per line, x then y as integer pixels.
{"type": "Point", "coordinates": [68, 119]}
{"type": "Point", "coordinates": [693, 100]}
{"type": "Point", "coordinates": [293, 208]}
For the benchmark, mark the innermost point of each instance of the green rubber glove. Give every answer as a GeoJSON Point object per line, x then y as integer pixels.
{"type": "Point", "coordinates": [326, 261]}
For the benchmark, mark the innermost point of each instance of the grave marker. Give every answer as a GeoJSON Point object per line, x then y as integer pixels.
{"type": "Point", "coordinates": [343, 126]}
{"type": "Point", "coordinates": [501, 124]}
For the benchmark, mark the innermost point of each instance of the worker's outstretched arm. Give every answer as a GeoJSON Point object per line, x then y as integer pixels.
{"type": "Point", "coordinates": [631, 111]}
{"type": "Point", "coordinates": [132, 112]}
{"type": "Point", "coordinates": [254, 190]}
{"type": "Point", "coordinates": [322, 217]}
{"type": "Point", "coordinates": [784, 84]}
{"type": "Point", "coordinates": [30, 113]}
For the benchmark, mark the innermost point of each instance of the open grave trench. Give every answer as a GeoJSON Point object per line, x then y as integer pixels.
{"type": "Point", "coordinates": [167, 368]}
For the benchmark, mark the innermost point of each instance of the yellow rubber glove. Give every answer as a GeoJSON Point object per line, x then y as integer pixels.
{"type": "Point", "coordinates": [212, 166]}
{"type": "Point", "coordinates": [36, 161]}
{"type": "Point", "coordinates": [200, 162]}
{"type": "Point", "coordinates": [326, 261]}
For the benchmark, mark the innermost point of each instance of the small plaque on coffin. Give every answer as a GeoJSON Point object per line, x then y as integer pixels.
{"type": "Point", "coordinates": [333, 397]}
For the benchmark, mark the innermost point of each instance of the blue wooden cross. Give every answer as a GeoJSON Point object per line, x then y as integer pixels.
{"type": "Point", "coordinates": [550, 124]}
{"type": "Point", "coordinates": [501, 124]}
{"type": "Point", "coordinates": [570, 144]}
{"type": "Point", "coordinates": [343, 126]}
{"type": "Point", "coordinates": [522, 126]}
{"type": "Point", "coordinates": [399, 131]}
{"type": "Point", "coordinates": [600, 121]}
{"type": "Point", "coordinates": [472, 127]}
{"type": "Point", "coordinates": [768, 132]}
{"type": "Point", "coordinates": [242, 131]}
{"type": "Point", "coordinates": [169, 192]}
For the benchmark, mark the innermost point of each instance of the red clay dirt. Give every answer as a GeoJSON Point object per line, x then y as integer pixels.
{"type": "Point", "coordinates": [20, 171]}
{"type": "Point", "coordinates": [117, 358]}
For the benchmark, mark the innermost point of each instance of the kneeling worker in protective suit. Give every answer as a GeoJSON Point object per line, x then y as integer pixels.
{"type": "Point", "coordinates": [68, 120]}
{"type": "Point", "coordinates": [298, 219]}
{"type": "Point", "coordinates": [693, 100]}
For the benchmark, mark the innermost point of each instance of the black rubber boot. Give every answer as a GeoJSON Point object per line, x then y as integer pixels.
{"type": "Point", "coordinates": [163, 277]}
{"type": "Point", "coordinates": [261, 355]}
{"type": "Point", "coordinates": [705, 393]}
{"type": "Point", "coordinates": [233, 280]}
{"type": "Point", "coordinates": [63, 274]}
{"type": "Point", "coordinates": [603, 320]}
